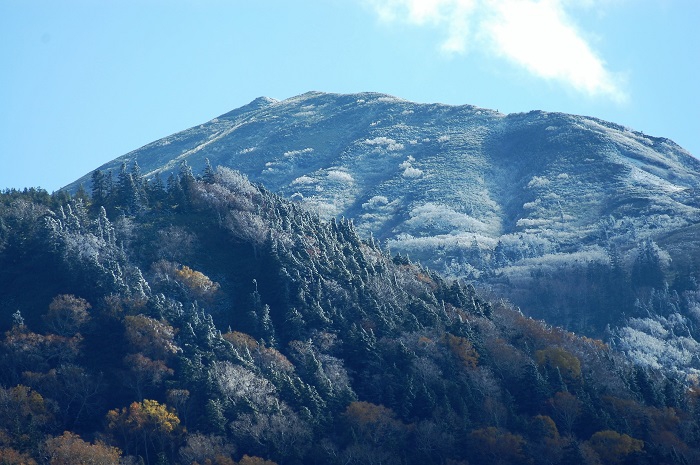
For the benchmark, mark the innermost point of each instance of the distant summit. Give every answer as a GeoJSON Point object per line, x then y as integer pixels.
{"type": "Point", "coordinates": [258, 103]}
{"type": "Point", "coordinates": [531, 205]}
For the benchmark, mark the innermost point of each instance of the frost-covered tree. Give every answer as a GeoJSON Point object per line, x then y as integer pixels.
{"type": "Point", "coordinates": [647, 270]}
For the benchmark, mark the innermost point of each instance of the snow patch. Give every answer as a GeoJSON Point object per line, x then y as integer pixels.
{"type": "Point", "coordinates": [408, 170]}
{"type": "Point", "coordinates": [411, 173]}
{"type": "Point", "coordinates": [340, 176]}
{"type": "Point", "coordinates": [384, 142]}
{"type": "Point", "coordinates": [538, 181]}
{"type": "Point", "coordinates": [532, 222]}
{"type": "Point", "coordinates": [374, 202]}
{"type": "Point", "coordinates": [304, 180]}
{"type": "Point", "coordinates": [440, 219]}
{"type": "Point", "coordinates": [293, 153]}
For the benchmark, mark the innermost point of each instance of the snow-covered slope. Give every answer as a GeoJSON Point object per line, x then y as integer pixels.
{"type": "Point", "coordinates": [468, 191]}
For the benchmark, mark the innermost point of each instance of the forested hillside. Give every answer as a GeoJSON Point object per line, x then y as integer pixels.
{"type": "Point", "coordinates": [205, 320]}
{"type": "Point", "coordinates": [584, 223]}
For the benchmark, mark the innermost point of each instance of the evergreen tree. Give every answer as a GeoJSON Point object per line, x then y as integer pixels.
{"type": "Point", "coordinates": [127, 191]}
{"type": "Point", "coordinates": [139, 184]}
{"type": "Point", "coordinates": [499, 256]}
{"type": "Point", "coordinates": [647, 271]}
{"type": "Point", "coordinates": [100, 192]}
{"type": "Point", "coordinates": [209, 175]}
{"type": "Point", "coordinates": [156, 192]}
{"type": "Point", "coordinates": [176, 196]}
{"type": "Point", "coordinates": [82, 195]}
{"type": "Point", "coordinates": [187, 183]}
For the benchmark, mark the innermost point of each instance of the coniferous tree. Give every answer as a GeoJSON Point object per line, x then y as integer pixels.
{"type": "Point", "coordinates": [187, 183]}
{"type": "Point", "coordinates": [176, 196]}
{"type": "Point", "coordinates": [499, 256]}
{"type": "Point", "coordinates": [99, 189]}
{"type": "Point", "coordinates": [127, 192]}
{"type": "Point", "coordinates": [139, 185]}
{"type": "Point", "coordinates": [647, 270]}
{"type": "Point", "coordinates": [156, 192]}
{"type": "Point", "coordinates": [209, 175]}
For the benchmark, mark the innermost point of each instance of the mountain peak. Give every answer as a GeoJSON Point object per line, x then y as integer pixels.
{"type": "Point", "coordinates": [505, 201]}
{"type": "Point", "coordinates": [258, 103]}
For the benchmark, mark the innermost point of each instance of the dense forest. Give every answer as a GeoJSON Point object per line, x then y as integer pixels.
{"type": "Point", "coordinates": [204, 320]}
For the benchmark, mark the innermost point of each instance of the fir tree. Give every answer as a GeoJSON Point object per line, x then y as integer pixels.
{"type": "Point", "coordinates": [209, 176]}
{"type": "Point", "coordinates": [100, 189]}
{"type": "Point", "coordinates": [647, 270]}
{"type": "Point", "coordinates": [127, 191]}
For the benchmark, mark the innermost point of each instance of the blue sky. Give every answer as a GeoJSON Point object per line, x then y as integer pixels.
{"type": "Point", "coordinates": [83, 82]}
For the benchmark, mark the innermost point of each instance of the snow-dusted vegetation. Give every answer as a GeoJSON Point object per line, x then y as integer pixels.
{"type": "Point", "coordinates": [384, 143]}
{"type": "Point", "coordinates": [542, 208]}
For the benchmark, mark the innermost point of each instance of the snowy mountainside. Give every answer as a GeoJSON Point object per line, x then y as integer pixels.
{"type": "Point", "coordinates": [468, 191]}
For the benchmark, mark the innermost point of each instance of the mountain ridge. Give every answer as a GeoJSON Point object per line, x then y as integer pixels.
{"type": "Point", "coordinates": [512, 203]}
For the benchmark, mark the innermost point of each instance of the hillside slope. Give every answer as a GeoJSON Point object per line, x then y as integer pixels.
{"type": "Point", "coordinates": [553, 211]}
{"type": "Point", "coordinates": [212, 322]}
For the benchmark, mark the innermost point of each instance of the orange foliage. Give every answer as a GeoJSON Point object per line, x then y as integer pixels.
{"type": "Point", "coordinates": [424, 278]}
{"type": "Point", "coordinates": [152, 337]}
{"type": "Point", "coordinates": [146, 415]}
{"type": "Point", "coordinates": [375, 424]}
{"type": "Point", "coordinates": [241, 340]}
{"type": "Point", "coordinates": [641, 418]}
{"type": "Point", "coordinates": [612, 447]}
{"type": "Point", "coordinates": [29, 348]}
{"type": "Point", "coordinates": [218, 460]}
{"type": "Point", "coordinates": [196, 282]}
{"type": "Point", "coordinates": [364, 413]}
{"type": "Point", "coordinates": [22, 408]}
{"type": "Point", "coordinates": [555, 357]}
{"type": "Point", "coordinates": [247, 460]}
{"type": "Point", "coordinates": [275, 359]}
{"type": "Point", "coordinates": [495, 445]}
{"type": "Point", "coordinates": [542, 426]}
{"type": "Point", "coordinates": [464, 350]}
{"type": "Point", "coordinates": [143, 424]}
{"type": "Point", "coordinates": [67, 313]}
{"type": "Point", "coordinates": [146, 371]}
{"type": "Point", "coordinates": [546, 444]}
{"type": "Point", "coordinates": [70, 449]}
{"type": "Point", "coordinates": [267, 356]}
{"type": "Point", "coordinates": [9, 456]}
{"type": "Point", "coordinates": [595, 343]}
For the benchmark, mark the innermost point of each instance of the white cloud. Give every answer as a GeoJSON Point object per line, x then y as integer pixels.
{"type": "Point", "coordinates": [537, 35]}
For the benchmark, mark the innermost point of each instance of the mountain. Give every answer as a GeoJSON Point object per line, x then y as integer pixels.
{"type": "Point", "coordinates": [582, 222]}
{"type": "Point", "coordinates": [408, 171]}
{"type": "Point", "coordinates": [209, 321]}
